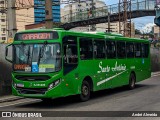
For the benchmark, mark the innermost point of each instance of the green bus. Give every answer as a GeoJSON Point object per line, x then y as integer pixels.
{"type": "Point", "coordinates": [52, 63]}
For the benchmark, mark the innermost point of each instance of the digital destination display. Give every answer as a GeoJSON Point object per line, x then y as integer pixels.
{"type": "Point", "coordinates": [34, 36]}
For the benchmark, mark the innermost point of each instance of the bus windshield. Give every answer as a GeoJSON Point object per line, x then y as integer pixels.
{"type": "Point", "coordinates": [37, 58]}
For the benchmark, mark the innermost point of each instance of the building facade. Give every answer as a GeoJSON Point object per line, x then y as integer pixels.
{"type": "Point", "coordinates": [3, 21]}
{"type": "Point", "coordinates": [39, 11]}
{"type": "Point", "coordinates": [156, 31]}
{"type": "Point", "coordinates": [114, 27]}
{"type": "Point", "coordinates": [80, 7]}
{"type": "Point", "coordinates": [23, 17]}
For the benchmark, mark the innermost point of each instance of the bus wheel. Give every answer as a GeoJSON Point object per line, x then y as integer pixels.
{"type": "Point", "coordinates": [85, 91]}
{"type": "Point", "coordinates": [132, 81]}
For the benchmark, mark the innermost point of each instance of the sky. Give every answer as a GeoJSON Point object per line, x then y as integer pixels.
{"type": "Point", "coordinates": [144, 24]}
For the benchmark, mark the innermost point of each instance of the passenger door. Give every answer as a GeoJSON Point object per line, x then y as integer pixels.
{"type": "Point", "coordinates": [70, 63]}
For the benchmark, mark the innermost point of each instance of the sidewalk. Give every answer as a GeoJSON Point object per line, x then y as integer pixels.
{"type": "Point", "coordinates": [9, 98]}
{"type": "Point", "coordinates": [155, 73]}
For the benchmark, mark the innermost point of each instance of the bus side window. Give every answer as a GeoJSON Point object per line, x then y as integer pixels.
{"type": "Point", "coordinates": [70, 53]}
{"type": "Point", "coordinates": [130, 50]}
{"type": "Point", "coordinates": [111, 49]}
{"type": "Point", "coordinates": [70, 50]}
{"type": "Point", "coordinates": [99, 48]}
{"type": "Point", "coordinates": [86, 49]}
{"type": "Point", "coordinates": [145, 50]}
{"type": "Point", "coordinates": [121, 50]}
{"type": "Point", "coordinates": [138, 51]}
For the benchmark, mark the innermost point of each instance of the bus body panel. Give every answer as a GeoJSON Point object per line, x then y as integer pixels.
{"type": "Point", "coordinates": [104, 73]}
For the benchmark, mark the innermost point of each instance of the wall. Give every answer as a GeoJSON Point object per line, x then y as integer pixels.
{"type": "Point", "coordinates": [5, 72]}
{"type": "Point", "coordinates": [155, 61]}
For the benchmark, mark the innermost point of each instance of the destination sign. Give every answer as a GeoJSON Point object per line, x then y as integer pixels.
{"type": "Point", "coordinates": [35, 36]}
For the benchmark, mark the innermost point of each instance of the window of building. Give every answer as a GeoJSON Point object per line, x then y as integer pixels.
{"type": "Point", "coordinates": [86, 49]}
{"type": "Point", "coordinates": [145, 50]}
{"type": "Point", "coordinates": [3, 38]}
{"type": "Point", "coordinates": [1, 2]}
{"type": "Point", "coordinates": [111, 49]}
{"type": "Point", "coordinates": [3, 20]}
{"type": "Point", "coordinates": [130, 50]}
{"type": "Point", "coordinates": [99, 48]}
{"type": "Point", "coordinates": [121, 50]}
{"type": "Point", "coordinates": [138, 52]}
{"type": "Point", "coordinates": [3, 29]}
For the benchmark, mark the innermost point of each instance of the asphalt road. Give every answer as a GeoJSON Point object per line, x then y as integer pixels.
{"type": "Point", "coordinates": [145, 97]}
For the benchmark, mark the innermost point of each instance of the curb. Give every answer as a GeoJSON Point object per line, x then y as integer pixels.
{"type": "Point", "coordinates": [155, 73]}
{"type": "Point", "coordinates": [10, 99]}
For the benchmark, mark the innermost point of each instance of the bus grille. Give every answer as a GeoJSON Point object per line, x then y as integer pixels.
{"type": "Point", "coordinates": [32, 90]}
{"type": "Point", "coordinates": [32, 78]}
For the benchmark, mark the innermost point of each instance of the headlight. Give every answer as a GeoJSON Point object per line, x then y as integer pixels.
{"type": "Point", "coordinates": [14, 85]}
{"type": "Point", "coordinates": [55, 83]}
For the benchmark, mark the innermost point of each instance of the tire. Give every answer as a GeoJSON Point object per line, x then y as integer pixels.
{"type": "Point", "coordinates": [132, 81]}
{"type": "Point", "coordinates": [85, 91]}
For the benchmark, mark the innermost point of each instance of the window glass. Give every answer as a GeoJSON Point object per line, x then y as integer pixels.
{"type": "Point", "coordinates": [121, 51]}
{"type": "Point", "coordinates": [130, 50]}
{"type": "Point", "coordinates": [99, 49]}
{"type": "Point", "coordinates": [138, 53]}
{"type": "Point", "coordinates": [145, 50]}
{"type": "Point", "coordinates": [111, 49]}
{"type": "Point", "coordinates": [86, 49]}
{"type": "Point", "coordinates": [70, 50]}
{"type": "Point", "coordinates": [37, 58]}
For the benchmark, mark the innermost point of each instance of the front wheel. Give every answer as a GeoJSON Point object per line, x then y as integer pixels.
{"type": "Point", "coordinates": [132, 81]}
{"type": "Point", "coordinates": [85, 91]}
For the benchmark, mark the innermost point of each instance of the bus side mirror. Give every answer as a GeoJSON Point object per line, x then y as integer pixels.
{"type": "Point", "coordinates": [7, 57]}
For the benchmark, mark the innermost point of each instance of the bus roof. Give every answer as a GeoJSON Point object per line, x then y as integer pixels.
{"type": "Point", "coordinates": [88, 34]}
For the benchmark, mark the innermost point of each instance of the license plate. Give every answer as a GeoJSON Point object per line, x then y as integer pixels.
{"type": "Point", "coordinates": [20, 85]}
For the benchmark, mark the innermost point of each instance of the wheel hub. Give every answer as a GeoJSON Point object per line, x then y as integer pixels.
{"type": "Point", "coordinates": [85, 90]}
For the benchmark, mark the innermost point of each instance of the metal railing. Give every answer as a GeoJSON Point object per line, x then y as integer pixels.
{"type": "Point", "coordinates": [112, 9]}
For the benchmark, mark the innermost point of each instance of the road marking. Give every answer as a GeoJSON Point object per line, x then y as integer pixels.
{"type": "Point", "coordinates": [18, 103]}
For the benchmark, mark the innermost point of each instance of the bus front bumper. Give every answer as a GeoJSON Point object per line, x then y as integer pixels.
{"type": "Point", "coordinates": [38, 93]}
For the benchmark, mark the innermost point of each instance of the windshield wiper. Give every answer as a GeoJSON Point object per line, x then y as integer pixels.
{"type": "Point", "coordinates": [28, 54]}
{"type": "Point", "coordinates": [41, 51]}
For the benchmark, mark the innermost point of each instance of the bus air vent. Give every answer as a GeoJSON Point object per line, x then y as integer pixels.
{"type": "Point", "coordinates": [32, 90]}
{"type": "Point", "coordinates": [32, 78]}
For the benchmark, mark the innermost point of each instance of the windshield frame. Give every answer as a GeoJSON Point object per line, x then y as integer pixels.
{"type": "Point", "coordinates": [24, 72]}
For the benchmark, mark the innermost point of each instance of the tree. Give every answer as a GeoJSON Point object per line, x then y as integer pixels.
{"type": "Point", "coordinates": [138, 32]}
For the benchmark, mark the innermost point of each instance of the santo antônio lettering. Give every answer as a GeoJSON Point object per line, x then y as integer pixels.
{"type": "Point", "coordinates": [114, 69]}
